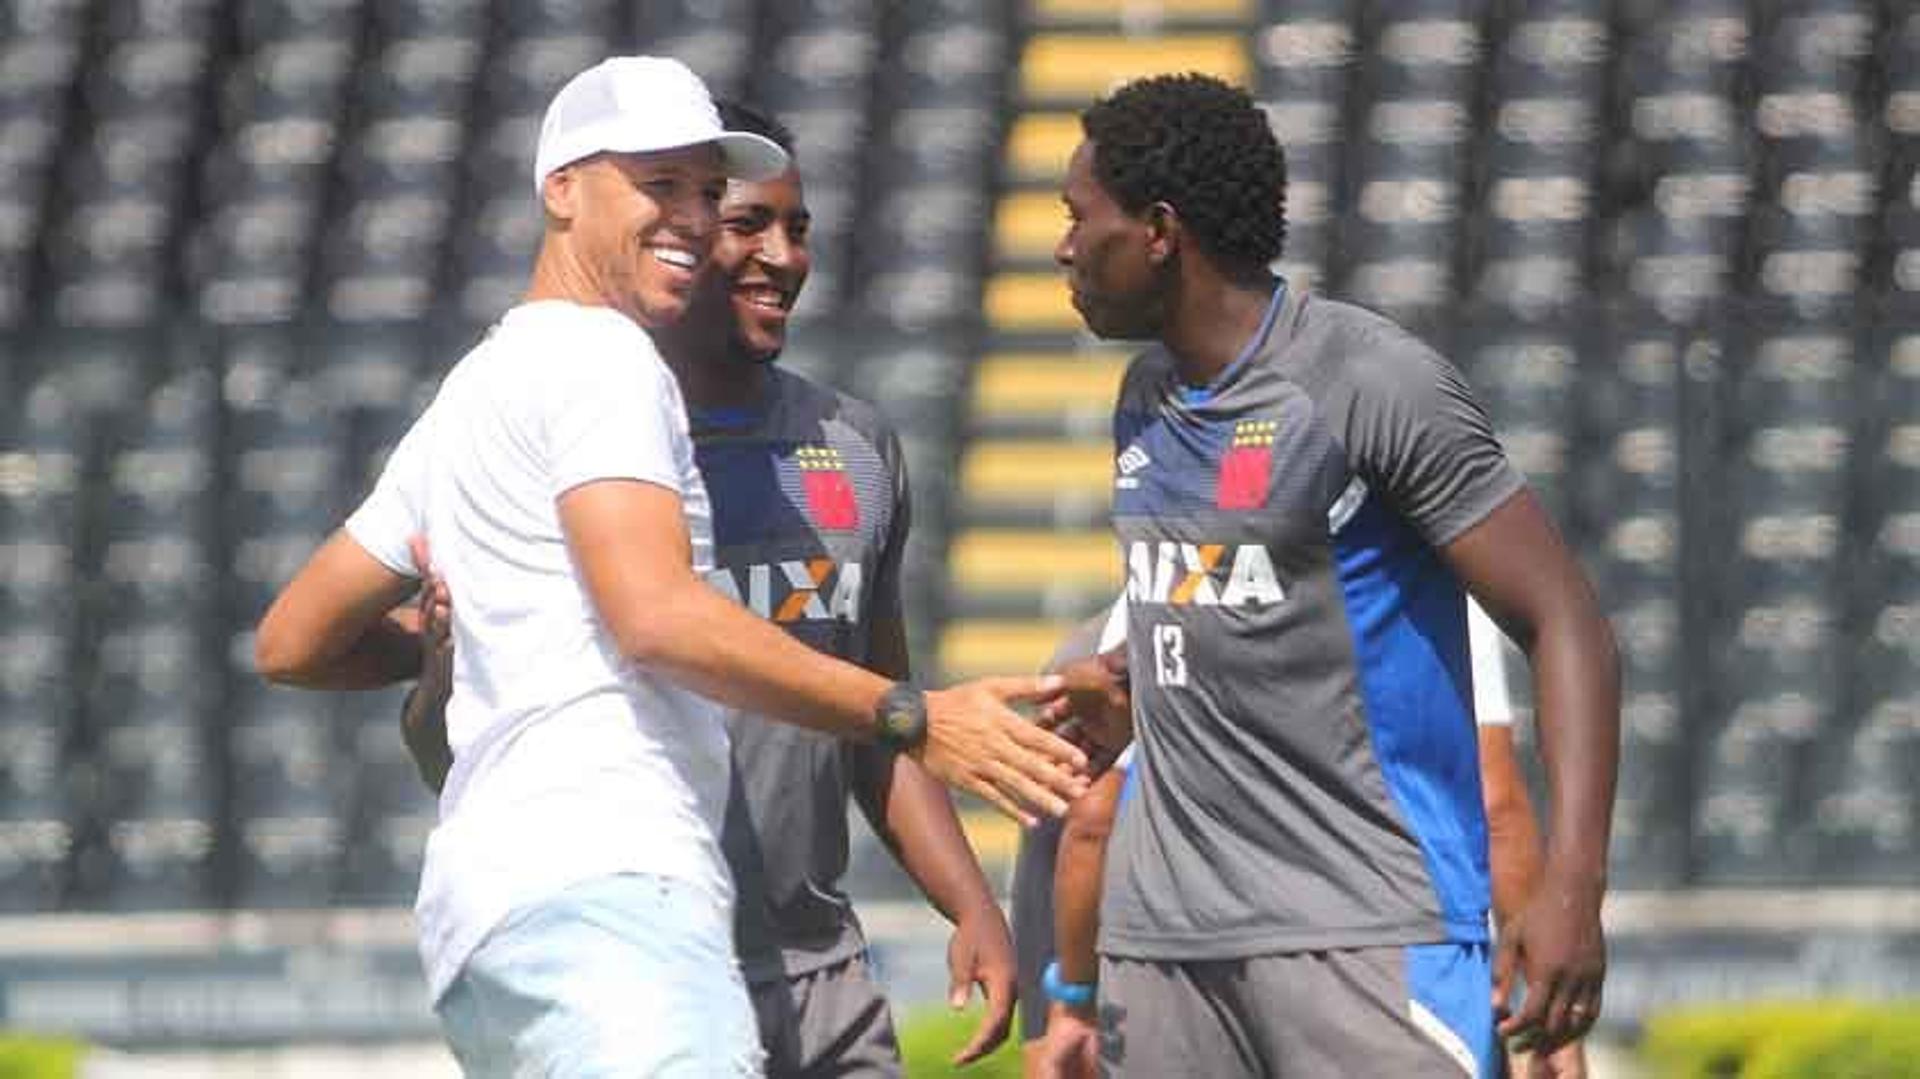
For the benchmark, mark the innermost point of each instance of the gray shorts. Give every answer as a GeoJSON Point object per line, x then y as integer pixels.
{"type": "Point", "coordinates": [830, 1022]}
{"type": "Point", "coordinates": [1416, 1012]}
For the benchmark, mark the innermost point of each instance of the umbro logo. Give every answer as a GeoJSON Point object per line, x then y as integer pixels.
{"type": "Point", "coordinates": [1132, 460]}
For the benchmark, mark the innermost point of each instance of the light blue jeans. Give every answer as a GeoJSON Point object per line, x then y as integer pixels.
{"type": "Point", "coordinates": [615, 978]}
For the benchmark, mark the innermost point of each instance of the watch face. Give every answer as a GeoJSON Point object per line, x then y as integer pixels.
{"type": "Point", "coordinates": [902, 718]}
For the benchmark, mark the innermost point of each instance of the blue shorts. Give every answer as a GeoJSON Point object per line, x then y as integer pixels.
{"type": "Point", "coordinates": [621, 976]}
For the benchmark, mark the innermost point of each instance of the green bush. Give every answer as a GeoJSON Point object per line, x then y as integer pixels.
{"type": "Point", "coordinates": [930, 1036]}
{"type": "Point", "coordinates": [1818, 1040]}
{"type": "Point", "coordinates": [23, 1057]}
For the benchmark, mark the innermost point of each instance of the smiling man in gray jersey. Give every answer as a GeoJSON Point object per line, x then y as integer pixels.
{"type": "Point", "coordinates": [810, 516]}
{"type": "Point", "coordinates": [1297, 884]}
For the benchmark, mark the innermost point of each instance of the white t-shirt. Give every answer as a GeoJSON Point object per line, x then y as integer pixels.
{"type": "Point", "coordinates": [1487, 648]}
{"type": "Point", "coordinates": [568, 763]}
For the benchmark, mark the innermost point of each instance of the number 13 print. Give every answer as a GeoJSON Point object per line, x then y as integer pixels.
{"type": "Point", "coordinates": [1170, 655]}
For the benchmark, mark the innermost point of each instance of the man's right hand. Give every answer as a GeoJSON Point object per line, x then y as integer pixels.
{"type": "Point", "coordinates": [1095, 709]}
{"type": "Point", "coordinates": [976, 742]}
{"type": "Point", "coordinates": [1071, 1047]}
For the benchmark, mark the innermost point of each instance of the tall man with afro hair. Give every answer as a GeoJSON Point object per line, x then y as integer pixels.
{"type": "Point", "coordinates": [1304, 495]}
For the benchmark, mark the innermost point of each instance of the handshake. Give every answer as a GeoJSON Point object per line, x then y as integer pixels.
{"type": "Point", "coordinates": [974, 738]}
{"type": "Point", "coordinates": [976, 742]}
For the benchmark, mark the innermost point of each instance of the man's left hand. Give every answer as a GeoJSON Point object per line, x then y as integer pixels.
{"type": "Point", "coordinates": [981, 953]}
{"type": "Point", "coordinates": [1559, 948]}
{"type": "Point", "coordinates": [1567, 1062]}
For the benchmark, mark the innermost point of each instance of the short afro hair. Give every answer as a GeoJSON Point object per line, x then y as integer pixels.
{"type": "Point", "coordinates": [1204, 148]}
{"type": "Point", "coordinates": [742, 116]}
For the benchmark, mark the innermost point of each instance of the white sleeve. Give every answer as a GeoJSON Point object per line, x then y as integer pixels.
{"type": "Point", "coordinates": [1112, 636]}
{"type": "Point", "coordinates": [1113, 633]}
{"type": "Point", "coordinates": [613, 411]}
{"type": "Point", "coordinates": [1486, 645]}
{"type": "Point", "coordinates": [395, 512]}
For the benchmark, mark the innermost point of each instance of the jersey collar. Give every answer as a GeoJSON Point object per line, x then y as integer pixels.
{"type": "Point", "coordinates": [1200, 395]}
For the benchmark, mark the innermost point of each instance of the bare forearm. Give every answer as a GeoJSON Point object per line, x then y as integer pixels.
{"type": "Point", "coordinates": [1513, 835]}
{"type": "Point", "coordinates": [387, 653]}
{"type": "Point", "coordinates": [701, 640]}
{"type": "Point", "coordinates": [913, 815]}
{"type": "Point", "coordinates": [1076, 879]}
{"type": "Point", "coordinates": [1577, 687]}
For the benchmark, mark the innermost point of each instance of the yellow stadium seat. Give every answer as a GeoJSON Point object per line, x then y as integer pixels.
{"type": "Point", "coordinates": [978, 647]}
{"type": "Point", "coordinates": [1040, 144]}
{"type": "Point", "coordinates": [1035, 471]}
{"type": "Point", "coordinates": [1017, 384]}
{"type": "Point", "coordinates": [994, 836]}
{"type": "Point", "coordinates": [1030, 303]}
{"type": "Point", "coordinates": [1081, 67]}
{"type": "Point", "coordinates": [1018, 559]}
{"type": "Point", "coordinates": [1027, 225]}
{"type": "Point", "coordinates": [1122, 12]}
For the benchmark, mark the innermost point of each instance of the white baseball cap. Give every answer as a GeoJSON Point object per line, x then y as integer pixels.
{"type": "Point", "coordinates": [637, 104]}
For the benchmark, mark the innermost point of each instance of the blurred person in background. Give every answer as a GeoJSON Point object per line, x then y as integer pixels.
{"type": "Point", "coordinates": [799, 476]}
{"type": "Point", "coordinates": [1297, 882]}
{"type": "Point", "coordinates": [555, 480]}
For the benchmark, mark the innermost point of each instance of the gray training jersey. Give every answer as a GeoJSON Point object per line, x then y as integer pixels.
{"type": "Point", "coordinates": [1308, 776]}
{"type": "Point", "coordinates": [809, 518]}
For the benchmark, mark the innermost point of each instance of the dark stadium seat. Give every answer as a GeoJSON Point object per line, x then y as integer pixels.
{"type": "Point", "coordinates": [430, 20]}
{"type": "Point", "coordinates": [819, 59]}
{"type": "Point", "coordinates": [159, 786]}
{"type": "Point", "coordinates": [540, 17]}
{"type": "Point", "coordinates": [1304, 52]}
{"type": "Point", "coordinates": [1744, 809]}
{"type": "Point", "coordinates": [289, 791]}
{"type": "Point", "coordinates": [391, 810]}
{"type": "Point", "coordinates": [37, 686]}
{"type": "Point", "coordinates": [40, 51]}
{"type": "Point", "coordinates": [945, 56]}
{"type": "Point", "coordinates": [522, 72]}
{"type": "Point", "coordinates": [1423, 49]}
{"type": "Point", "coordinates": [267, 177]}
{"type": "Point", "coordinates": [1650, 834]}
{"type": "Point", "coordinates": [427, 72]}
{"type": "Point", "coordinates": [45, 455]}
{"type": "Point", "coordinates": [37, 814]}
{"type": "Point", "coordinates": [713, 37]}
{"type": "Point", "coordinates": [1674, 267]}
{"type": "Point", "coordinates": [1895, 267]}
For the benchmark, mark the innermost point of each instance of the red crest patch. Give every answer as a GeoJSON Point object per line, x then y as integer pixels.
{"type": "Point", "coordinates": [1246, 469]}
{"type": "Point", "coordinates": [830, 499]}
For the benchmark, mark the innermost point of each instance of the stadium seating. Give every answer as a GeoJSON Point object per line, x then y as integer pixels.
{"type": "Point", "coordinates": [1674, 246]}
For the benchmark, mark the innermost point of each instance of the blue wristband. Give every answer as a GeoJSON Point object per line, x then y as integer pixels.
{"type": "Point", "coordinates": [1072, 994]}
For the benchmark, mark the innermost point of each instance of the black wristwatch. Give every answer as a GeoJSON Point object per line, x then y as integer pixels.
{"type": "Point", "coordinates": [900, 719]}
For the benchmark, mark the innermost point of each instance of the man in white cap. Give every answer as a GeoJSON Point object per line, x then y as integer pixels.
{"type": "Point", "coordinates": [555, 482]}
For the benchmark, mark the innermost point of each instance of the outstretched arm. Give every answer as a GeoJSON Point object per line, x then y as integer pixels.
{"type": "Point", "coordinates": [630, 542]}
